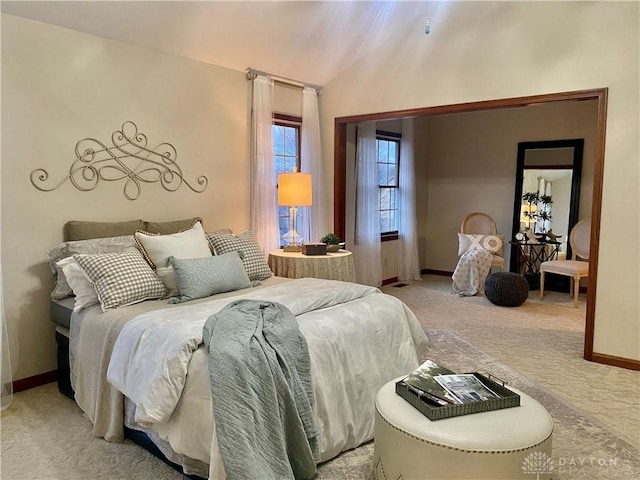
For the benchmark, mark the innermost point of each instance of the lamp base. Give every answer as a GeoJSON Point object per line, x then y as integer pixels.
{"type": "Point", "coordinates": [292, 248]}
{"type": "Point", "coordinates": [293, 239]}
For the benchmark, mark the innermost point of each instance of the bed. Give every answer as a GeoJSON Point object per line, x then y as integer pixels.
{"type": "Point", "coordinates": [358, 339]}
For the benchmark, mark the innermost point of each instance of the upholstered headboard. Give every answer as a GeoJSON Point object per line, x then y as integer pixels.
{"type": "Point", "coordinates": [83, 230]}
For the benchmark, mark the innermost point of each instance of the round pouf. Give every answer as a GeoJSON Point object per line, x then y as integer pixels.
{"type": "Point", "coordinates": [499, 444]}
{"type": "Point", "coordinates": [506, 289]}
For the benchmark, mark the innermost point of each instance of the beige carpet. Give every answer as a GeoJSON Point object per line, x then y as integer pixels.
{"type": "Point", "coordinates": [536, 347]}
{"type": "Point", "coordinates": [542, 339]}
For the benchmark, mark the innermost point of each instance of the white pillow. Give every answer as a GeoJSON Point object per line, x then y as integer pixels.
{"type": "Point", "coordinates": [156, 248]}
{"type": "Point", "coordinates": [472, 241]}
{"type": "Point", "coordinates": [79, 282]}
{"type": "Point", "coordinates": [190, 243]}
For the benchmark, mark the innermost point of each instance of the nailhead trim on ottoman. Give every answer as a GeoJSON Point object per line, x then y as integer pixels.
{"type": "Point", "coordinates": [493, 445]}
{"type": "Point", "coordinates": [506, 289]}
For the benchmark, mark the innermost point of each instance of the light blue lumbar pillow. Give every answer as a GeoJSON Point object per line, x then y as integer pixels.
{"type": "Point", "coordinates": [202, 277]}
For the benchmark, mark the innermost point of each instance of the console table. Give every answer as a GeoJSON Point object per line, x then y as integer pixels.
{"type": "Point", "coordinates": [332, 266]}
{"type": "Point", "coordinates": [530, 255]}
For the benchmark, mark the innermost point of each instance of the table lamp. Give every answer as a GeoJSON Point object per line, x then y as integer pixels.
{"type": "Point", "coordinates": [294, 190]}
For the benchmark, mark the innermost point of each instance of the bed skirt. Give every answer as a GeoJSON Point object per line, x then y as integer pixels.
{"type": "Point", "coordinates": [138, 437]}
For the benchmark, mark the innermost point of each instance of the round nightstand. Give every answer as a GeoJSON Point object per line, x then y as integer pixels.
{"type": "Point", "coordinates": [332, 266]}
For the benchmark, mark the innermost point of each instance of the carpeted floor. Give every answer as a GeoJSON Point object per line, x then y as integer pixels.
{"type": "Point", "coordinates": [542, 339]}
{"type": "Point", "coordinates": [581, 443]}
{"type": "Point", "coordinates": [536, 347]}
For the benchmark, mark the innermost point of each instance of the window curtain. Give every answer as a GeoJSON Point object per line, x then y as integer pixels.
{"type": "Point", "coordinates": [7, 380]}
{"type": "Point", "coordinates": [6, 375]}
{"type": "Point", "coordinates": [539, 224]}
{"type": "Point", "coordinates": [264, 209]}
{"type": "Point", "coordinates": [315, 220]}
{"type": "Point", "coordinates": [408, 260]}
{"type": "Point", "coordinates": [547, 207]}
{"type": "Point", "coordinates": [544, 188]}
{"type": "Point", "coordinates": [366, 251]}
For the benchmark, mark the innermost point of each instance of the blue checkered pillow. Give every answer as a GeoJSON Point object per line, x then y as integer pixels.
{"type": "Point", "coordinates": [246, 243]}
{"type": "Point", "coordinates": [121, 279]}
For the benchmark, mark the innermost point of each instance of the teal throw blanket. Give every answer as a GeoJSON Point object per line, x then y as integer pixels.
{"type": "Point", "coordinates": [261, 392]}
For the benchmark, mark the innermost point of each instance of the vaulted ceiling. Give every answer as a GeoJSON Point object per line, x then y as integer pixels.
{"type": "Point", "coordinates": [310, 41]}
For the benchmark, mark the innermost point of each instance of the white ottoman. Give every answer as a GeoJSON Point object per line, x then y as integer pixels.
{"type": "Point", "coordinates": [512, 443]}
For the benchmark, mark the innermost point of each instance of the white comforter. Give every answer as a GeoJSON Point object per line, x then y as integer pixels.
{"type": "Point", "coordinates": [358, 340]}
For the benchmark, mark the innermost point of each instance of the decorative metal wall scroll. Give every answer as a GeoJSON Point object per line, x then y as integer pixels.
{"type": "Point", "coordinates": [128, 158]}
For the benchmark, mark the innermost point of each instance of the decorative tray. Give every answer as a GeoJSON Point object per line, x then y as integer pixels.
{"type": "Point", "coordinates": [506, 399]}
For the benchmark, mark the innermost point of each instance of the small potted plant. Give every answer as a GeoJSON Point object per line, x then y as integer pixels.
{"type": "Point", "coordinates": [332, 241]}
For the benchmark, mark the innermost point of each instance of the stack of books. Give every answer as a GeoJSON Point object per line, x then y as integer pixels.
{"type": "Point", "coordinates": [438, 393]}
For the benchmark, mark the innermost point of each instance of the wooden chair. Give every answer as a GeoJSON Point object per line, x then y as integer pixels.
{"type": "Point", "coordinates": [579, 239]}
{"type": "Point", "coordinates": [480, 223]}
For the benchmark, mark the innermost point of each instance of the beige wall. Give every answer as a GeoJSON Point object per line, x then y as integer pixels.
{"type": "Point", "coordinates": [467, 162]}
{"type": "Point", "coordinates": [59, 86]}
{"type": "Point", "coordinates": [490, 50]}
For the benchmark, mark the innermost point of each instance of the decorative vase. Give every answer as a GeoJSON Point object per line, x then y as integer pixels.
{"type": "Point", "coordinates": [335, 248]}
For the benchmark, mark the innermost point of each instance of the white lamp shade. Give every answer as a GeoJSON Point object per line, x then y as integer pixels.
{"type": "Point", "coordinates": [294, 189]}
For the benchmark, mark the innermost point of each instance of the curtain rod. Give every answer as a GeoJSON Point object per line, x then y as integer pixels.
{"type": "Point", "coordinates": [253, 73]}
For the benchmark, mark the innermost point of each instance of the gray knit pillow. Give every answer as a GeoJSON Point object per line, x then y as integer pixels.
{"type": "Point", "coordinates": [202, 277]}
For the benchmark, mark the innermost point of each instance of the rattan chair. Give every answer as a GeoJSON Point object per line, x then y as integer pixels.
{"type": "Point", "coordinates": [579, 239]}
{"type": "Point", "coordinates": [480, 223]}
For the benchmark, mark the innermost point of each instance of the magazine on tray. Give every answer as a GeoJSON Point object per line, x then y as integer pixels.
{"type": "Point", "coordinates": [439, 393]}
{"type": "Point", "coordinates": [465, 388]}
{"type": "Point", "coordinates": [422, 382]}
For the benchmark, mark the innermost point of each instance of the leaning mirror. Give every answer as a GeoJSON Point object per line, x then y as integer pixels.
{"type": "Point", "coordinates": [547, 195]}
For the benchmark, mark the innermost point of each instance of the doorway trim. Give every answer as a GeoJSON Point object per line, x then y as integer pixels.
{"type": "Point", "coordinates": [598, 94]}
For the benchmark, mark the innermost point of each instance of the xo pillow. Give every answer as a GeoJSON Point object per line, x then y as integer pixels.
{"type": "Point", "coordinates": [472, 241]}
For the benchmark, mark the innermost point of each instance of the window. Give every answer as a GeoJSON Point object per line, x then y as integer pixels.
{"type": "Point", "coordinates": [388, 150]}
{"type": "Point", "coordinates": [286, 151]}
